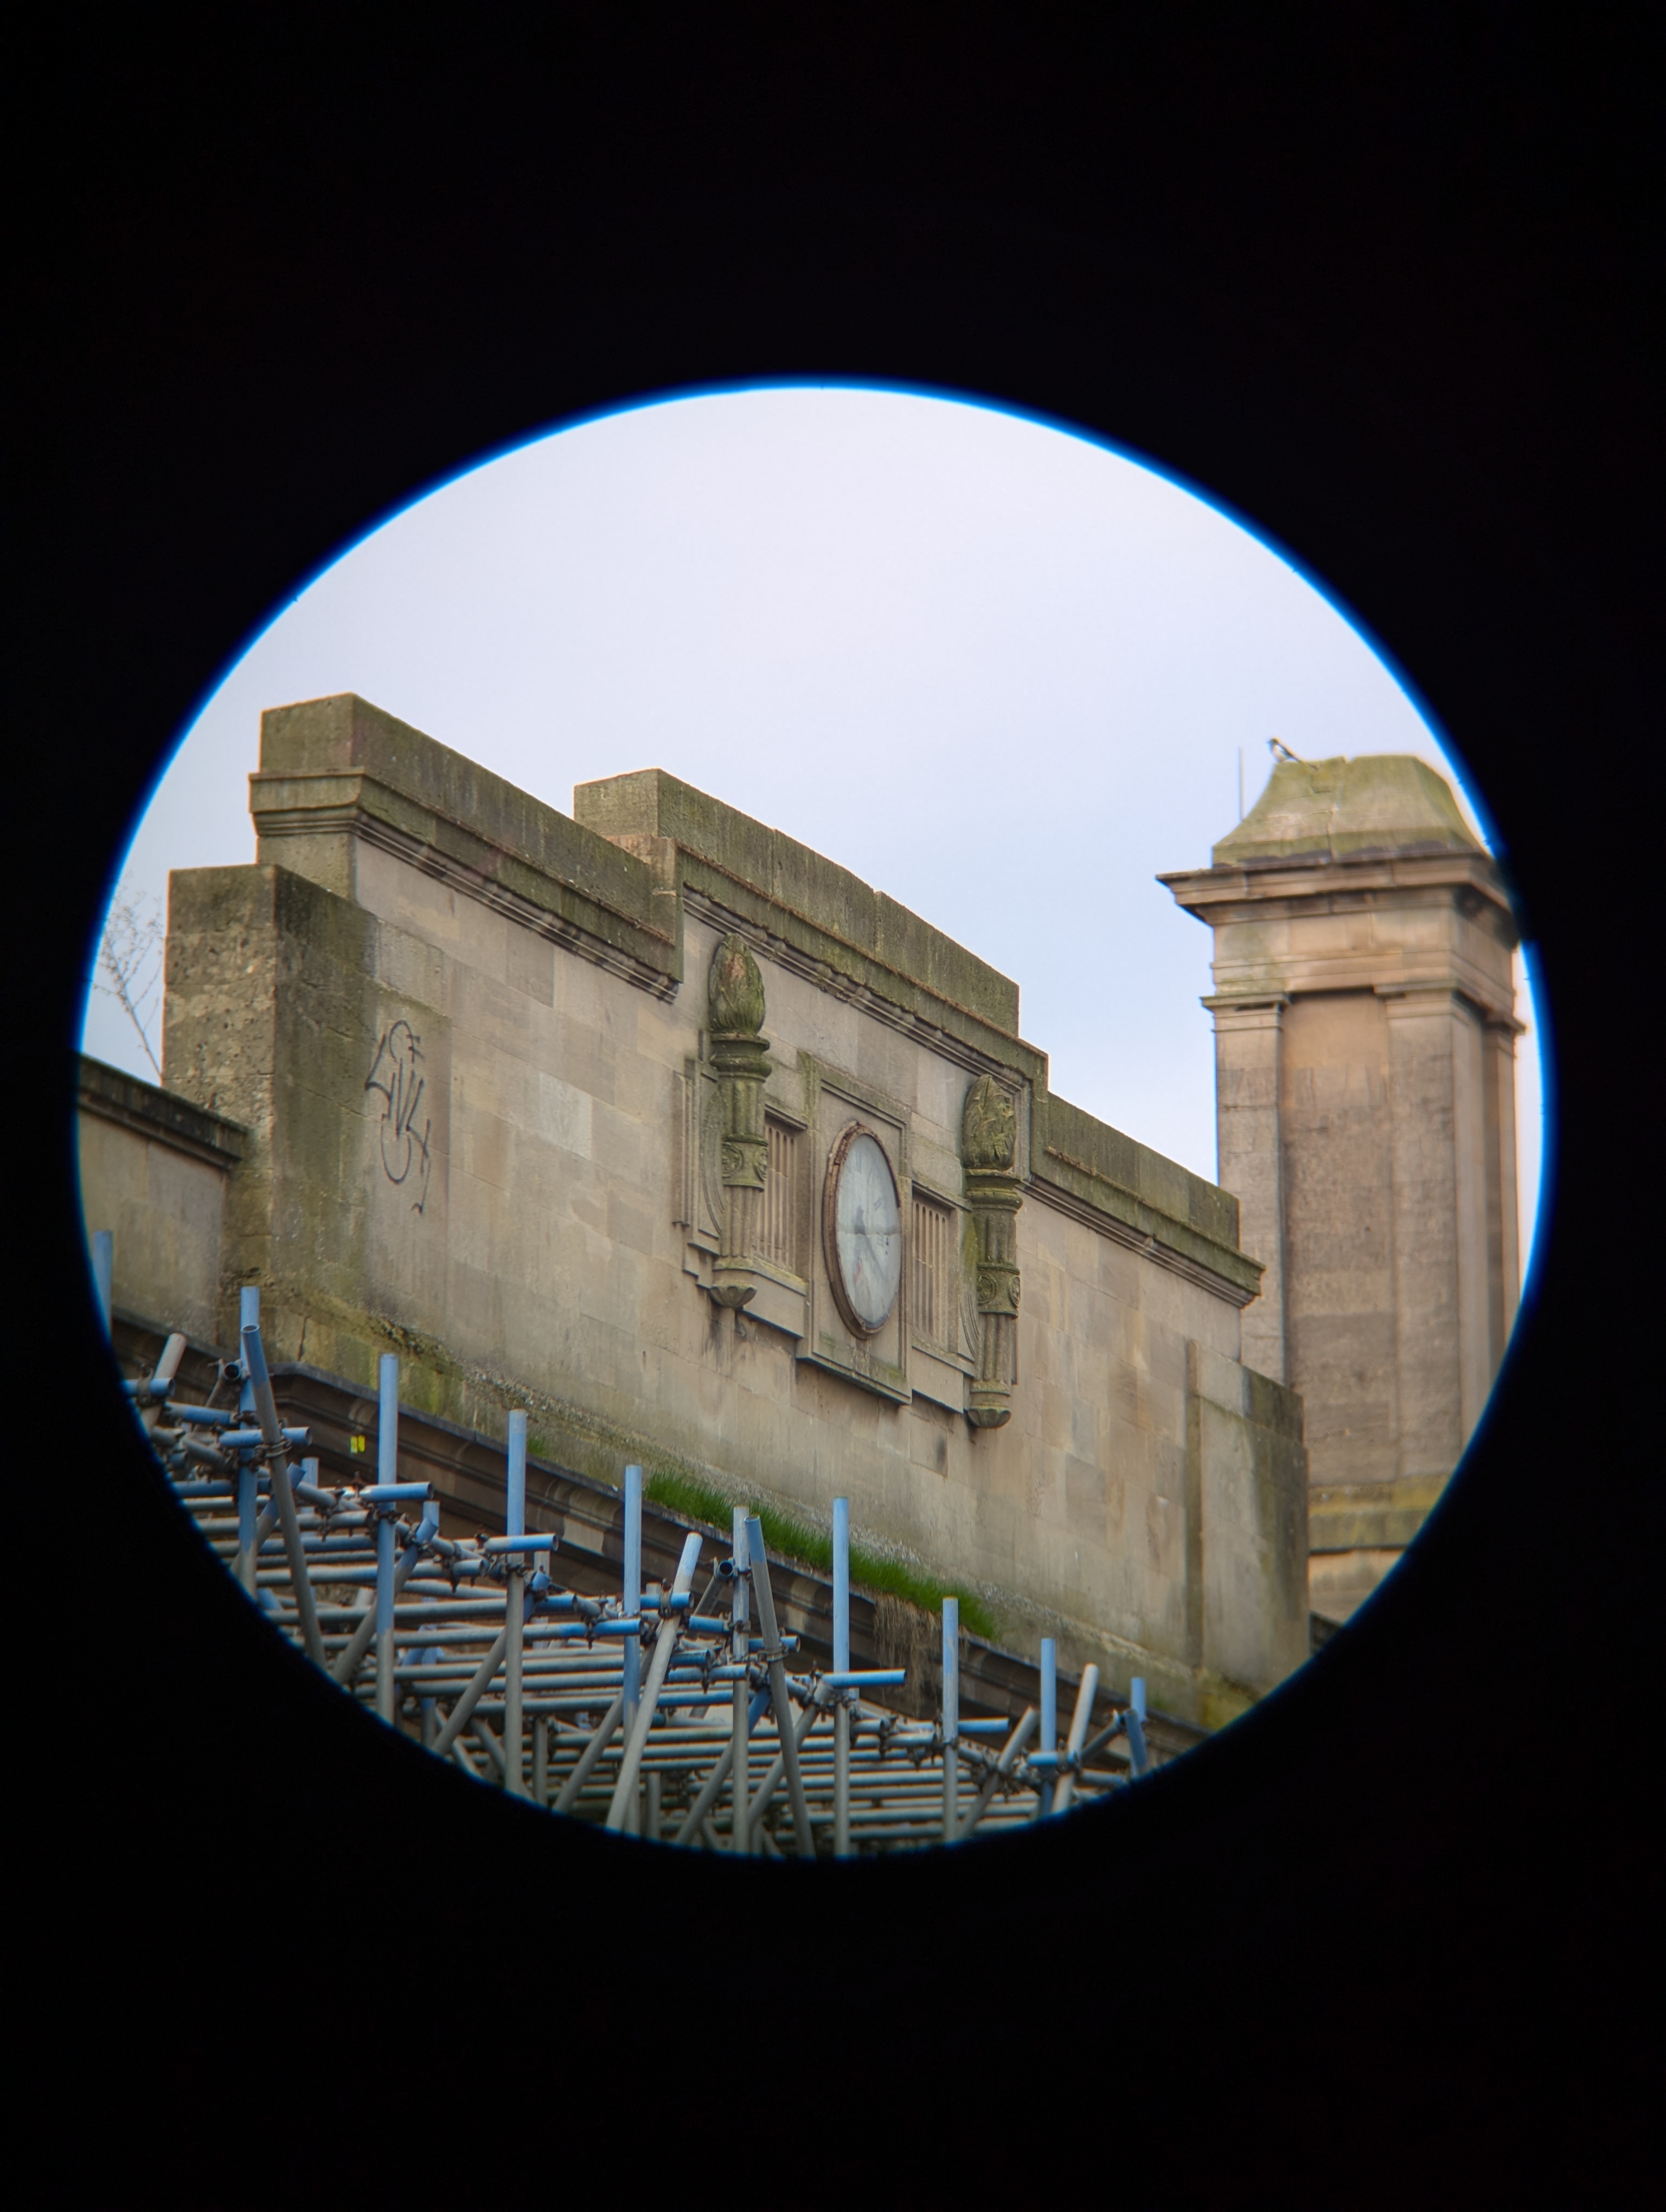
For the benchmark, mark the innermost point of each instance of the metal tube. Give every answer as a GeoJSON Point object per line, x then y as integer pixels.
{"type": "Point", "coordinates": [251, 1440]}
{"type": "Point", "coordinates": [792, 1743]}
{"type": "Point", "coordinates": [260, 1382]}
{"type": "Point", "coordinates": [541, 1760]}
{"type": "Point", "coordinates": [515, 1508]}
{"type": "Point", "coordinates": [632, 1587]}
{"type": "Point", "coordinates": [710, 1790]}
{"type": "Point", "coordinates": [161, 1380]}
{"type": "Point", "coordinates": [515, 1601]}
{"type": "Point", "coordinates": [951, 1718]}
{"type": "Point", "coordinates": [841, 1666]}
{"type": "Point", "coordinates": [842, 1586]}
{"type": "Point", "coordinates": [1086, 1692]}
{"type": "Point", "coordinates": [514, 1608]}
{"type": "Point", "coordinates": [1134, 1721]}
{"type": "Point", "coordinates": [1003, 1767]}
{"type": "Point", "coordinates": [775, 1660]}
{"type": "Point", "coordinates": [740, 1760]}
{"type": "Point", "coordinates": [349, 1661]}
{"type": "Point", "coordinates": [489, 1743]}
{"type": "Point", "coordinates": [249, 1312]}
{"type": "Point", "coordinates": [588, 1758]}
{"type": "Point", "coordinates": [624, 1789]}
{"type": "Point", "coordinates": [463, 1711]}
{"type": "Point", "coordinates": [1049, 1717]}
{"type": "Point", "coordinates": [1090, 1751]}
{"type": "Point", "coordinates": [104, 1271]}
{"type": "Point", "coordinates": [387, 1472]}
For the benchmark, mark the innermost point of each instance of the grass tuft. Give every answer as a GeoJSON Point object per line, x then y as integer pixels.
{"type": "Point", "coordinates": [698, 1501]}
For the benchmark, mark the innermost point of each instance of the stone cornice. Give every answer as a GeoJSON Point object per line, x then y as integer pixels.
{"type": "Point", "coordinates": [839, 908]}
{"type": "Point", "coordinates": [1269, 1004]}
{"type": "Point", "coordinates": [1302, 884]}
{"type": "Point", "coordinates": [1058, 1198]}
{"type": "Point", "coordinates": [158, 1115]}
{"type": "Point", "coordinates": [806, 950]}
{"type": "Point", "coordinates": [1073, 1185]}
{"type": "Point", "coordinates": [1314, 975]}
{"type": "Point", "coordinates": [636, 944]}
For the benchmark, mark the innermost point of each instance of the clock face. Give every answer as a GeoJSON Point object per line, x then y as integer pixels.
{"type": "Point", "coordinates": [867, 1227]}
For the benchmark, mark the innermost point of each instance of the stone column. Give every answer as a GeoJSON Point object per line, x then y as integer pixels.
{"type": "Point", "coordinates": [1476, 1365]}
{"type": "Point", "coordinates": [1503, 1201]}
{"type": "Point", "coordinates": [994, 1192]}
{"type": "Point", "coordinates": [1249, 1147]}
{"type": "Point", "coordinates": [1441, 1317]}
{"type": "Point", "coordinates": [741, 1058]}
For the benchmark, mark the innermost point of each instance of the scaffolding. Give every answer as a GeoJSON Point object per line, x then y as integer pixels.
{"type": "Point", "coordinates": [673, 1713]}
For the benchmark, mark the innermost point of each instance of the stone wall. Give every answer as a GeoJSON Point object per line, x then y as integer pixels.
{"type": "Point", "coordinates": [491, 1118]}
{"type": "Point", "coordinates": [155, 1171]}
{"type": "Point", "coordinates": [1364, 1033]}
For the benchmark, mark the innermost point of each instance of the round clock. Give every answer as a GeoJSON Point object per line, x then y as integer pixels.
{"type": "Point", "coordinates": [863, 1231]}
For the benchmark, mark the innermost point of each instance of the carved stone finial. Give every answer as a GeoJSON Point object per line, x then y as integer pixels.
{"type": "Point", "coordinates": [994, 1192]}
{"type": "Point", "coordinates": [734, 993]}
{"type": "Point", "coordinates": [741, 1061]}
{"type": "Point", "coordinates": [988, 1126]}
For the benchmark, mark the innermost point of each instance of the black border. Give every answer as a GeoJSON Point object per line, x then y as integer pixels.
{"type": "Point", "coordinates": [1376, 278]}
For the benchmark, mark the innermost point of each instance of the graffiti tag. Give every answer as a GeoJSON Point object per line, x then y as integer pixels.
{"type": "Point", "coordinates": [394, 1075]}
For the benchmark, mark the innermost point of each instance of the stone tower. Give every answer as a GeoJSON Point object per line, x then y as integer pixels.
{"type": "Point", "coordinates": [1365, 1099]}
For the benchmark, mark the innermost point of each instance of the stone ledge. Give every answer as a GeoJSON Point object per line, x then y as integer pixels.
{"type": "Point", "coordinates": [649, 803]}
{"type": "Point", "coordinates": [1370, 1516]}
{"type": "Point", "coordinates": [1153, 1201]}
{"type": "Point", "coordinates": [162, 1115]}
{"type": "Point", "coordinates": [1304, 882]}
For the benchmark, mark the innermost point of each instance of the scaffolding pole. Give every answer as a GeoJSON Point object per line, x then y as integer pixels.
{"type": "Point", "coordinates": [647, 1711]}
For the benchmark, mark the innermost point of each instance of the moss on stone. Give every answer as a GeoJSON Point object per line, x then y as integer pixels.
{"type": "Point", "coordinates": [1131, 1183]}
{"type": "Point", "coordinates": [813, 1548]}
{"type": "Point", "coordinates": [805, 883]}
{"type": "Point", "coordinates": [1382, 802]}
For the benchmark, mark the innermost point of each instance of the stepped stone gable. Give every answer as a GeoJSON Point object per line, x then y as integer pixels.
{"type": "Point", "coordinates": [557, 1107]}
{"type": "Point", "coordinates": [1365, 1041]}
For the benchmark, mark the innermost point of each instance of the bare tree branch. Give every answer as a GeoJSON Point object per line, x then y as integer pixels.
{"type": "Point", "coordinates": [130, 961]}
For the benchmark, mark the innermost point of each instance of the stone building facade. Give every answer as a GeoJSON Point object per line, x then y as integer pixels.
{"type": "Point", "coordinates": [1365, 1041]}
{"type": "Point", "coordinates": [562, 1109]}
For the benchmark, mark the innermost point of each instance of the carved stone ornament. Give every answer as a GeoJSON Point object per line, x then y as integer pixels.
{"type": "Point", "coordinates": [998, 1290]}
{"type": "Point", "coordinates": [735, 991]}
{"type": "Point", "coordinates": [746, 1163]}
{"type": "Point", "coordinates": [741, 1061]}
{"type": "Point", "coordinates": [988, 1126]}
{"type": "Point", "coordinates": [994, 1192]}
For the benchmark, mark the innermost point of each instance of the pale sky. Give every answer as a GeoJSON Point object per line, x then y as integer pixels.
{"type": "Point", "coordinates": [1002, 672]}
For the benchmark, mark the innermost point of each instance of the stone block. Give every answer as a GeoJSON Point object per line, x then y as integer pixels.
{"type": "Point", "coordinates": [529, 965]}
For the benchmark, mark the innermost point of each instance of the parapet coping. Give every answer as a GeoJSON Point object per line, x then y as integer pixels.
{"type": "Point", "coordinates": [1405, 868]}
{"type": "Point", "coordinates": [616, 888]}
{"type": "Point", "coordinates": [145, 1108]}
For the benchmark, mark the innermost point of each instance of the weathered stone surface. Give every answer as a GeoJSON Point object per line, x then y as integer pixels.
{"type": "Point", "coordinates": [1364, 1030]}
{"type": "Point", "coordinates": [486, 1128]}
{"type": "Point", "coordinates": [154, 1172]}
{"type": "Point", "coordinates": [1380, 802]}
{"type": "Point", "coordinates": [653, 803]}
